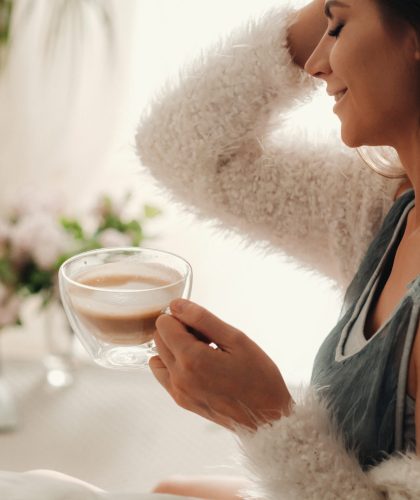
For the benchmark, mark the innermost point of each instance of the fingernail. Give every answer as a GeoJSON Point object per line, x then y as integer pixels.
{"type": "Point", "coordinates": [177, 306]}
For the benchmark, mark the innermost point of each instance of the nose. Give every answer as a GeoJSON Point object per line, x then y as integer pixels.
{"type": "Point", "coordinates": [318, 64]}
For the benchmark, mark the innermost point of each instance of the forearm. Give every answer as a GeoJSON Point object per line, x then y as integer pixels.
{"type": "Point", "coordinates": [306, 32]}
{"type": "Point", "coordinates": [221, 107]}
{"type": "Point", "coordinates": [208, 141]}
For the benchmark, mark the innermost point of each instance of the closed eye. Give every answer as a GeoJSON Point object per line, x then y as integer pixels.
{"type": "Point", "coordinates": [336, 31]}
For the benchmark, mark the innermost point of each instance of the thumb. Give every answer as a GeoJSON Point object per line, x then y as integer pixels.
{"type": "Point", "coordinates": [207, 324]}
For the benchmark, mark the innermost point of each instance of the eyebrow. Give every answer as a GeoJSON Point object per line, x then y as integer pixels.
{"type": "Point", "coordinates": [333, 3]}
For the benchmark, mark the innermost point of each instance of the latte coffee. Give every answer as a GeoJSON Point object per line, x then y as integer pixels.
{"type": "Point", "coordinates": [119, 302]}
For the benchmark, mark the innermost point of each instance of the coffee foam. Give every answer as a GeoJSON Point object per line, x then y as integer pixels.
{"type": "Point", "coordinates": [133, 276]}
{"type": "Point", "coordinates": [126, 289]}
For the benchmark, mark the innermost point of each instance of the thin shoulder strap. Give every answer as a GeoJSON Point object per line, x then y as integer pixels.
{"type": "Point", "coordinates": [376, 250]}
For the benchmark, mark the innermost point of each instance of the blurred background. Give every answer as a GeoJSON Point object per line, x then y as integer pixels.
{"type": "Point", "coordinates": [74, 78]}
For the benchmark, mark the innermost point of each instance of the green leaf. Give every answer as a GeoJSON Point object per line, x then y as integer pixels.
{"type": "Point", "coordinates": [111, 221]}
{"type": "Point", "coordinates": [133, 225]}
{"type": "Point", "coordinates": [6, 10]}
{"type": "Point", "coordinates": [8, 275]}
{"type": "Point", "coordinates": [91, 244]}
{"type": "Point", "coordinates": [107, 204]}
{"type": "Point", "coordinates": [33, 279]}
{"type": "Point", "coordinates": [6, 7]}
{"type": "Point", "coordinates": [73, 227]}
{"type": "Point", "coordinates": [136, 232]}
{"type": "Point", "coordinates": [150, 211]}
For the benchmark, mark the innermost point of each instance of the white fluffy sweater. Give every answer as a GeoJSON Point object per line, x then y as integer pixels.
{"type": "Point", "coordinates": [208, 139]}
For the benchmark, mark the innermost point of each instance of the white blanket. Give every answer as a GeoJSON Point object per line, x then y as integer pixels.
{"type": "Point", "coordinates": [50, 485]}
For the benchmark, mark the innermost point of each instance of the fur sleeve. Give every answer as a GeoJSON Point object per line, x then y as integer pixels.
{"type": "Point", "coordinates": [303, 457]}
{"type": "Point", "coordinates": [208, 139]}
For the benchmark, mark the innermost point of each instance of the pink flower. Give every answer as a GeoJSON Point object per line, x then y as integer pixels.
{"type": "Point", "coordinates": [4, 292]}
{"type": "Point", "coordinates": [31, 199]}
{"type": "Point", "coordinates": [41, 237]}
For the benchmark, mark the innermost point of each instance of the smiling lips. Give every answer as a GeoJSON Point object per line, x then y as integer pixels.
{"type": "Point", "coordinates": [338, 94]}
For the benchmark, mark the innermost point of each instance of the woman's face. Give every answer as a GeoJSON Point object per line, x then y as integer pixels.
{"type": "Point", "coordinates": [371, 69]}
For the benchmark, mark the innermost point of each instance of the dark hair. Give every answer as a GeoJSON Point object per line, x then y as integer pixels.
{"type": "Point", "coordinates": [403, 10]}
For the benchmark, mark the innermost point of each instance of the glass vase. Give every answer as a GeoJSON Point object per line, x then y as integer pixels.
{"type": "Point", "coordinates": [59, 360]}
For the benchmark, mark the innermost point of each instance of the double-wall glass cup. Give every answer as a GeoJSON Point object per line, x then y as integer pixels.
{"type": "Point", "coordinates": [112, 298]}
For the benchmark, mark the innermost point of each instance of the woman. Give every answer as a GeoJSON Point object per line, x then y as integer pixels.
{"type": "Point", "coordinates": [208, 140]}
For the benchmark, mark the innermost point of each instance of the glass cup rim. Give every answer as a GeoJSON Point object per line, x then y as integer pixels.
{"type": "Point", "coordinates": [61, 271]}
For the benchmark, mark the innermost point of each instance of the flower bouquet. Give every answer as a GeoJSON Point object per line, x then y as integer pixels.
{"type": "Point", "coordinates": [36, 237]}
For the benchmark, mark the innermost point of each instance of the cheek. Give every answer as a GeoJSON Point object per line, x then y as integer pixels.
{"type": "Point", "coordinates": [383, 93]}
{"type": "Point", "coordinates": [362, 118]}
{"type": "Point", "coordinates": [374, 104]}
{"type": "Point", "coordinates": [349, 56]}
{"type": "Point", "coordinates": [359, 64]}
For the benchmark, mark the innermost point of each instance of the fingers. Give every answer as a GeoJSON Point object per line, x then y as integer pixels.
{"type": "Point", "coordinates": [164, 352]}
{"type": "Point", "coordinates": [197, 317]}
{"type": "Point", "coordinates": [173, 339]}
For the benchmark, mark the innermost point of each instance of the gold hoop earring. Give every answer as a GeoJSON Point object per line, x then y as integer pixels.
{"type": "Point", "coordinates": [383, 160]}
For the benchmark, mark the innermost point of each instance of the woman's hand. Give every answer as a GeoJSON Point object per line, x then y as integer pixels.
{"type": "Point", "coordinates": [235, 384]}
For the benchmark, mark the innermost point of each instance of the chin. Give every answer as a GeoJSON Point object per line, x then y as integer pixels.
{"type": "Point", "coordinates": [351, 140]}
{"type": "Point", "coordinates": [354, 137]}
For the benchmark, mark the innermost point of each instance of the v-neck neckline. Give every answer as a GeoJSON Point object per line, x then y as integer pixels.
{"type": "Point", "coordinates": [365, 300]}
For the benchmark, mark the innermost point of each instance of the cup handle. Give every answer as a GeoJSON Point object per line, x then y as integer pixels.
{"type": "Point", "coordinates": [188, 286]}
{"type": "Point", "coordinates": [186, 294]}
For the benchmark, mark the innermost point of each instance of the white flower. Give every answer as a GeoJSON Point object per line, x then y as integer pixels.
{"type": "Point", "coordinates": [113, 238]}
{"type": "Point", "coordinates": [39, 235]}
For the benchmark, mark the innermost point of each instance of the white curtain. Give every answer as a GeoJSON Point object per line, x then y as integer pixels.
{"type": "Point", "coordinates": [61, 94]}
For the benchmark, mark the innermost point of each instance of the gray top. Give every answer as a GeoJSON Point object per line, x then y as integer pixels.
{"type": "Point", "coordinates": [355, 338]}
{"type": "Point", "coordinates": [364, 381]}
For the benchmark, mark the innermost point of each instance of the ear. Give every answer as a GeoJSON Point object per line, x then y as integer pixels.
{"type": "Point", "coordinates": [408, 38]}
{"type": "Point", "coordinates": [415, 43]}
